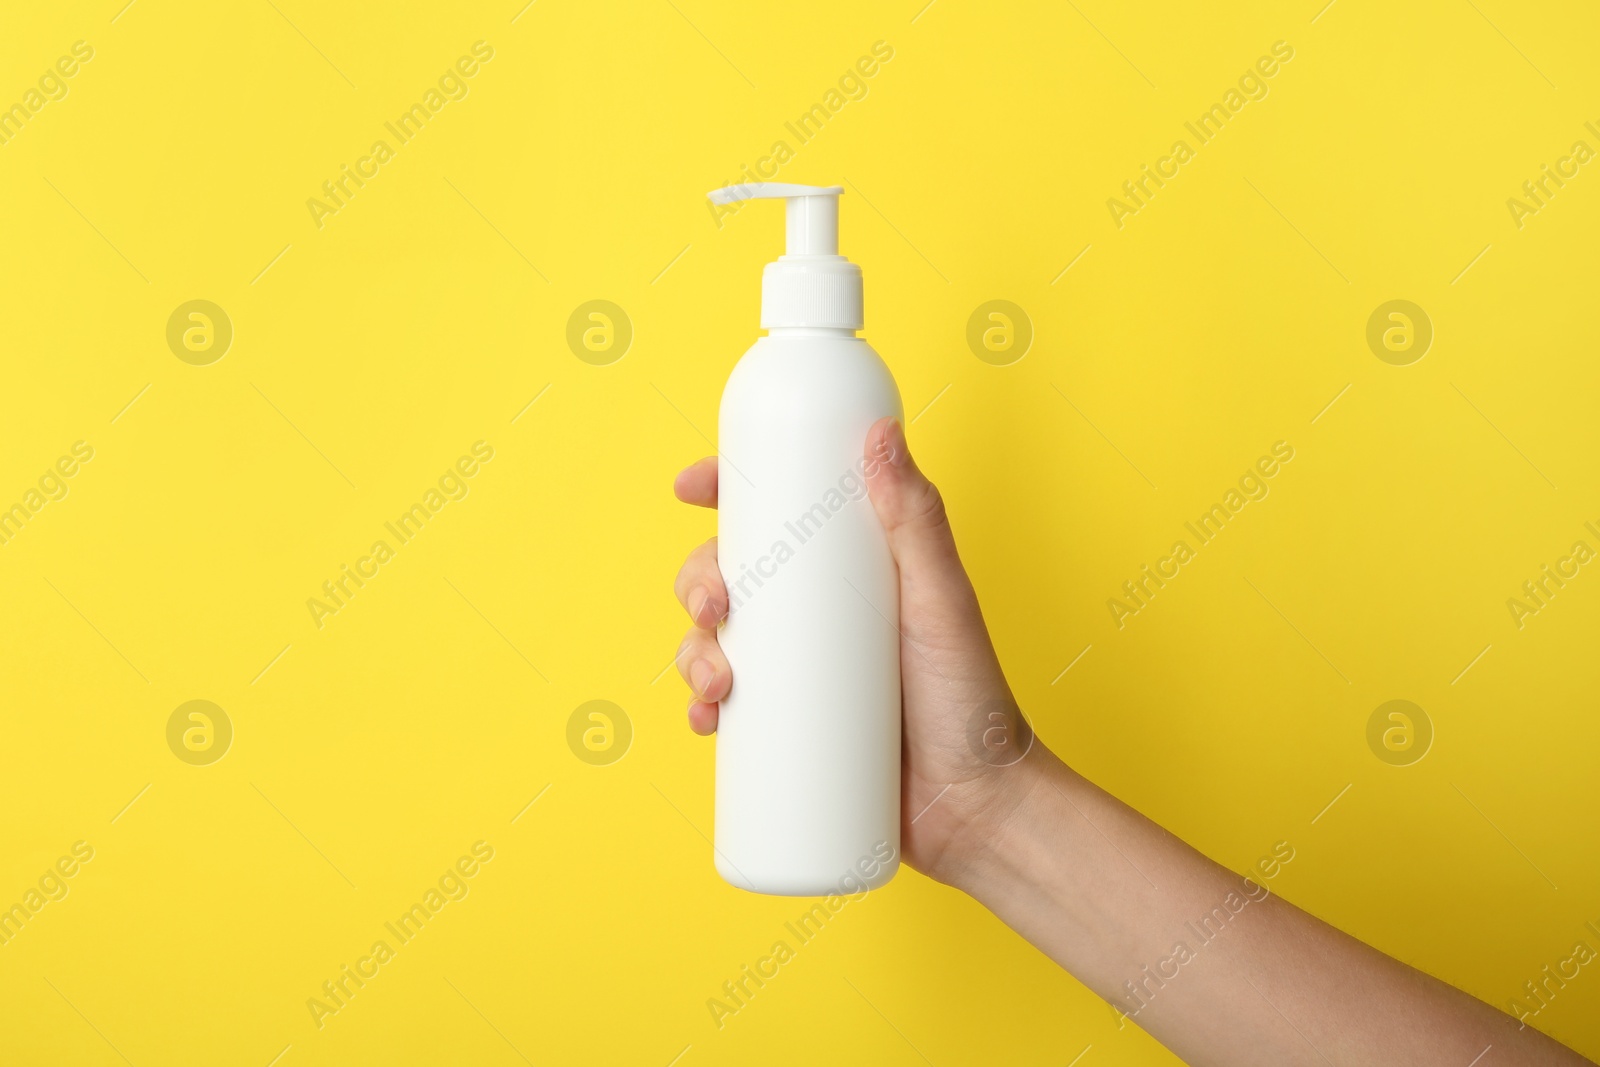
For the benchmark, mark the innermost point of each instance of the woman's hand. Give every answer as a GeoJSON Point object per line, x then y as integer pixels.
{"type": "Point", "coordinates": [1099, 888]}
{"type": "Point", "coordinates": [964, 737]}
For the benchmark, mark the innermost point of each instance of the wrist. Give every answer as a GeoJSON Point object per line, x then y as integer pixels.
{"type": "Point", "coordinates": [1005, 807]}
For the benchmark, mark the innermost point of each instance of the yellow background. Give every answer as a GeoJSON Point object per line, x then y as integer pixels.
{"type": "Point", "coordinates": [428, 713]}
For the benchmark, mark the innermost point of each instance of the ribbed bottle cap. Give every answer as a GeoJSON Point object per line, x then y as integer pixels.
{"type": "Point", "coordinates": [821, 291]}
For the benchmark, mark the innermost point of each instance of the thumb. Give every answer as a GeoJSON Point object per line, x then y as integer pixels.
{"type": "Point", "coordinates": [939, 609]}
{"type": "Point", "coordinates": [912, 513]}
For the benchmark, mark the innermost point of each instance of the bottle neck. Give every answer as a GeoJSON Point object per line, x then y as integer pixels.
{"type": "Point", "coordinates": [810, 331]}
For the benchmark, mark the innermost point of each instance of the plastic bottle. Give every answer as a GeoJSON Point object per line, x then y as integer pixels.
{"type": "Point", "coordinates": [808, 739]}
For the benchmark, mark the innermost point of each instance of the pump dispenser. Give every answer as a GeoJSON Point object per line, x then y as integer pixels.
{"type": "Point", "coordinates": [808, 741]}
{"type": "Point", "coordinates": [811, 284]}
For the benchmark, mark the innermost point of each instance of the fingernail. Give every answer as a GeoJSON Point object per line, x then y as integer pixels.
{"type": "Point", "coordinates": [697, 601]}
{"type": "Point", "coordinates": [700, 676]}
{"type": "Point", "coordinates": [895, 438]}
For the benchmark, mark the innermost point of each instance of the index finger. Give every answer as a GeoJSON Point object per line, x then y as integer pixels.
{"type": "Point", "coordinates": [697, 483]}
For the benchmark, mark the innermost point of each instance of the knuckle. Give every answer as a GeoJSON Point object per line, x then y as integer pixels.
{"type": "Point", "coordinates": [685, 654]}
{"type": "Point", "coordinates": [926, 509]}
{"type": "Point", "coordinates": [701, 567]}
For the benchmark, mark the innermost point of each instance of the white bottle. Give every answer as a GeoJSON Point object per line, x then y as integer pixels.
{"type": "Point", "coordinates": [808, 739]}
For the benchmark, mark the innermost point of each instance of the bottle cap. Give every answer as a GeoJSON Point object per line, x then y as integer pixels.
{"type": "Point", "coordinates": [811, 284]}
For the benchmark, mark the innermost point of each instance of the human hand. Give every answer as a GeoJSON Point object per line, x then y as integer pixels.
{"type": "Point", "coordinates": [964, 737]}
{"type": "Point", "coordinates": [989, 810]}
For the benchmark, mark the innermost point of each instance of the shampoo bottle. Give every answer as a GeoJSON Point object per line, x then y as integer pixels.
{"type": "Point", "coordinates": [808, 739]}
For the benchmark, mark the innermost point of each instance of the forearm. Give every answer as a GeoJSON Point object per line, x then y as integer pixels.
{"type": "Point", "coordinates": [1212, 965]}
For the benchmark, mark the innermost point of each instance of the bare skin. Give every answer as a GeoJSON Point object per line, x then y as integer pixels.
{"type": "Point", "coordinates": [1096, 886]}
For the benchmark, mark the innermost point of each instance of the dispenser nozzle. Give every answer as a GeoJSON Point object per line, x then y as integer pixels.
{"type": "Point", "coordinates": [813, 213]}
